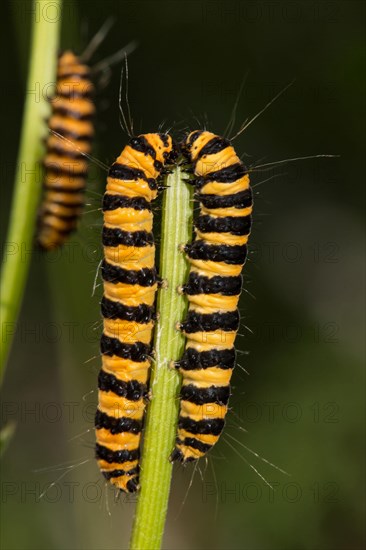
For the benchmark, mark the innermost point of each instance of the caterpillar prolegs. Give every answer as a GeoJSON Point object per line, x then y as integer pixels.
{"type": "Point", "coordinates": [130, 284]}
{"type": "Point", "coordinates": [216, 258]}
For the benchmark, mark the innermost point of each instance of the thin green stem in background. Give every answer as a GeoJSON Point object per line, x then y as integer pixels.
{"type": "Point", "coordinates": [46, 21]}
{"type": "Point", "coordinates": [162, 414]}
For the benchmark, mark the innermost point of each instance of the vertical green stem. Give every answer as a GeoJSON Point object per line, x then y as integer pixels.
{"type": "Point", "coordinates": [162, 414]}
{"type": "Point", "coordinates": [45, 37]}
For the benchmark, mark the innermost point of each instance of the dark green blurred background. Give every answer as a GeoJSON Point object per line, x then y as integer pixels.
{"type": "Point", "coordinates": [303, 402]}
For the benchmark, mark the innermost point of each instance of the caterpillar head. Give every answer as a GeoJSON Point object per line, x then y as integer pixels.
{"type": "Point", "coordinates": [69, 61]}
{"type": "Point", "coordinates": [194, 142]}
{"type": "Point", "coordinates": [160, 147]}
{"type": "Point", "coordinates": [170, 149]}
{"type": "Point", "coordinates": [73, 76]}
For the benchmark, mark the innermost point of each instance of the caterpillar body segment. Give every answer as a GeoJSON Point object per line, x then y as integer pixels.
{"type": "Point", "coordinates": [216, 257]}
{"type": "Point", "coordinates": [130, 283]}
{"type": "Point", "coordinates": [66, 167]}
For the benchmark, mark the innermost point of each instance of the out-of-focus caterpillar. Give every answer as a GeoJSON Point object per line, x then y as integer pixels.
{"type": "Point", "coordinates": [68, 145]}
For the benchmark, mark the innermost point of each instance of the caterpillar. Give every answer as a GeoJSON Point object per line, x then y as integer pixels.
{"type": "Point", "coordinates": [216, 258]}
{"type": "Point", "coordinates": [69, 141]}
{"type": "Point", "coordinates": [130, 283]}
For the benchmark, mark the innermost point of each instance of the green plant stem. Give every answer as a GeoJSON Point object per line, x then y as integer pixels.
{"type": "Point", "coordinates": [162, 414]}
{"type": "Point", "coordinates": [27, 186]}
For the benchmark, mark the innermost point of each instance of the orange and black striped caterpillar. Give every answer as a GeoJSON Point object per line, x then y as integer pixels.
{"type": "Point", "coordinates": [130, 284]}
{"type": "Point", "coordinates": [216, 260]}
{"type": "Point", "coordinates": [69, 141]}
